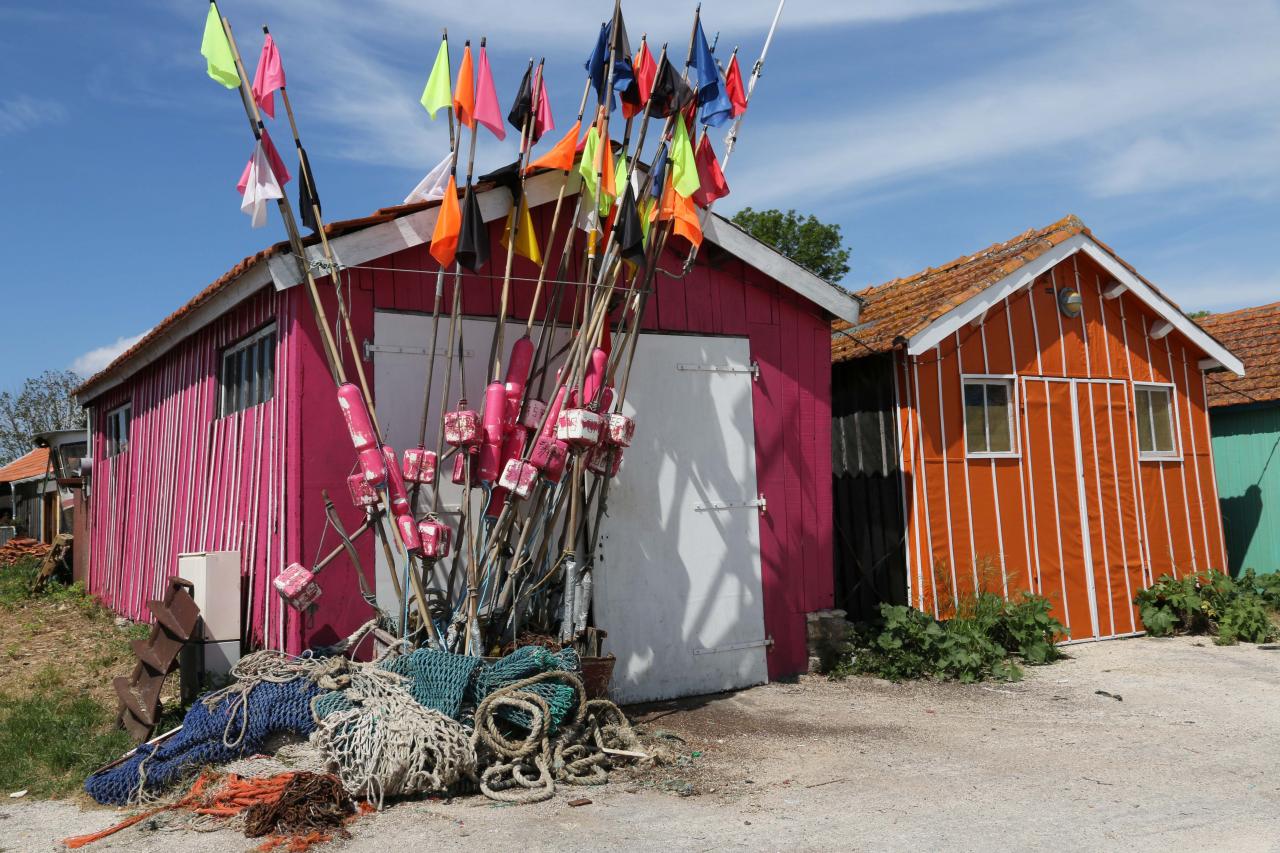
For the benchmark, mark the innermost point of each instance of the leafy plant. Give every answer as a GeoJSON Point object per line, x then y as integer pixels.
{"type": "Point", "coordinates": [1211, 603]}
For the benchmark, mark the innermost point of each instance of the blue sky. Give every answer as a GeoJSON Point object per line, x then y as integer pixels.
{"type": "Point", "coordinates": [926, 128]}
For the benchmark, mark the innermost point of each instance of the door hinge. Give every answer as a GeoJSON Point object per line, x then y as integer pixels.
{"type": "Point", "coordinates": [753, 369]}
{"type": "Point", "coordinates": [759, 503]}
{"type": "Point", "coordinates": [734, 647]}
{"type": "Point", "coordinates": [370, 348]}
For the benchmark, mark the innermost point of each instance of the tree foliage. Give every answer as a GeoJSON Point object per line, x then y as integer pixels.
{"type": "Point", "coordinates": [808, 241]}
{"type": "Point", "coordinates": [44, 403]}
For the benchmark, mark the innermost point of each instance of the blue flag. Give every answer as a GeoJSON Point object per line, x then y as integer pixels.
{"type": "Point", "coordinates": [624, 75]}
{"type": "Point", "coordinates": [659, 172]}
{"type": "Point", "coordinates": [596, 61]}
{"type": "Point", "coordinates": [714, 106]}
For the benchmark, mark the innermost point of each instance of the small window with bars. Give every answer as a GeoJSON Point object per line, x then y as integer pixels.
{"type": "Point", "coordinates": [117, 429]}
{"type": "Point", "coordinates": [1157, 436]}
{"type": "Point", "coordinates": [248, 372]}
{"type": "Point", "coordinates": [989, 424]}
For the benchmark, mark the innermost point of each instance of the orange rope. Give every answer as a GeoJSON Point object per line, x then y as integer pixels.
{"type": "Point", "coordinates": [81, 840]}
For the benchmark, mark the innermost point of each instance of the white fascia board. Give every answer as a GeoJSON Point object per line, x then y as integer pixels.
{"type": "Point", "coordinates": [244, 286]}
{"type": "Point", "coordinates": [937, 331]}
{"type": "Point", "coordinates": [782, 269]}
{"type": "Point", "coordinates": [415, 229]}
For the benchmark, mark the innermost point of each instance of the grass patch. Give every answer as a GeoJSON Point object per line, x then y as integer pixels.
{"type": "Point", "coordinates": [52, 739]}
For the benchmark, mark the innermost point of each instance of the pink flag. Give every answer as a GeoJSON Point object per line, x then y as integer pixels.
{"type": "Point", "coordinates": [488, 112]}
{"type": "Point", "coordinates": [268, 77]}
{"type": "Point", "coordinates": [542, 120]}
{"type": "Point", "coordinates": [273, 157]}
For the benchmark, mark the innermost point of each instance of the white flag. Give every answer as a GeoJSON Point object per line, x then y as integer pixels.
{"type": "Point", "coordinates": [260, 187]}
{"type": "Point", "coordinates": [433, 185]}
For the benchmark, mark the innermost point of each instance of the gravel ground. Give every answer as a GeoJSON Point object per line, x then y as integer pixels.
{"type": "Point", "coordinates": [1180, 756]}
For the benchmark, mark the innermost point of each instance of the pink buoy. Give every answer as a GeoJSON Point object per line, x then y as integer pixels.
{"type": "Point", "coordinates": [618, 429]}
{"type": "Point", "coordinates": [553, 413]}
{"type": "Point", "coordinates": [363, 494]}
{"type": "Point", "coordinates": [595, 374]}
{"type": "Point", "coordinates": [462, 427]}
{"type": "Point", "coordinates": [354, 412]}
{"type": "Point", "coordinates": [518, 477]}
{"type": "Point", "coordinates": [605, 461]}
{"type": "Point", "coordinates": [419, 465]}
{"type": "Point", "coordinates": [549, 456]}
{"type": "Point", "coordinates": [297, 586]}
{"type": "Point", "coordinates": [396, 492]}
{"type": "Point", "coordinates": [459, 477]}
{"type": "Point", "coordinates": [578, 427]}
{"type": "Point", "coordinates": [435, 536]}
{"type": "Point", "coordinates": [518, 367]}
{"type": "Point", "coordinates": [409, 533]}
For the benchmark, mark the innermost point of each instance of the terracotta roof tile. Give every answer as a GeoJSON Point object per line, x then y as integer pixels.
{"type": "Point", "coordinates": [902, 307]}
{"type": "Point", "coordinates": [34, 464]}
{"type": "Point", "coordinates": [1253, 334]}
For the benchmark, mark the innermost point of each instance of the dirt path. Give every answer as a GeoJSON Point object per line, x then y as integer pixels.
{"type": "Point", "coordinates": [1185, 759]}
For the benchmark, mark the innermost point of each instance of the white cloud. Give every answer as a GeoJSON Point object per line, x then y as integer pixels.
{"type": "Point", "coordinates": [23, 113]}
{"type": "Point", "coordinates": [95, 359]}
{"type": "Point", "coordinates": [1151, 77]}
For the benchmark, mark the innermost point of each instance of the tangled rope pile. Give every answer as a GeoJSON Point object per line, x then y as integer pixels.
{"type": "Point", "coordinates": [524, 768]}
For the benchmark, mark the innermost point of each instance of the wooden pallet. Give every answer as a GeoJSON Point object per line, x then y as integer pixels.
{"type": "Point", "coordinates": [177, 619]}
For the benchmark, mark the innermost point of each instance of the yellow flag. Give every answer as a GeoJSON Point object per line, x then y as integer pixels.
{"type": "Point", "coordinates": [526, 239]}
{"type": "Point", "coordinates": [217, 50]}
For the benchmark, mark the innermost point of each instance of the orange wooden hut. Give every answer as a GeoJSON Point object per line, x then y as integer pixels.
{"type": "Point", "coordinates": [1030, 417]}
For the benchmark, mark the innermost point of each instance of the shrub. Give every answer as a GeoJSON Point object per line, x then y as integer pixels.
{"type": "Point", "coordinates": [1211, 603]}
{"type": "Point", "coordinates": [981, 641]}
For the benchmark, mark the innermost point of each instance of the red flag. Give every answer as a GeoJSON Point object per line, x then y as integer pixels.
{"type": "Point", "coordinates": [273, 157]}
{"type": "Point", "coordinates": [268, 77]}
{"type": "Point", "coordinates": [444, 239]}
{"type": "Point", "coordinates": [645, 69]}
{"type": "Point", "coordinates": [709, 175]}
{"type": "Point", "coordinates": [561, 155]}
{"type": "Point", "coordinates": [733, 85]}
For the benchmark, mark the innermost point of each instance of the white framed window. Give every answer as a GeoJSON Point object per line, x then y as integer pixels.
{"type": "Point", "coordinates": [119, 420]}
{"type": "Point", "coordinates": [247, 376]}
{"type": "Point", "coordinates": [1157, 421]}
{"type": "Point", "coordinates": [990, 416]}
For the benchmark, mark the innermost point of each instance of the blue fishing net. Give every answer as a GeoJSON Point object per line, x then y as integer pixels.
{"type": "Point", "coordinates": [526, 662]}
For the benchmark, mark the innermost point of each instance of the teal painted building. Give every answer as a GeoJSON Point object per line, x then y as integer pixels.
{"type": "Point", "coordinates": [1244, 418]}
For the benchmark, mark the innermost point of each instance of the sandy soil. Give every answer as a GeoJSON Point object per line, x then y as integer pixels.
{"type": "Point", "coordinates": [1181, 756]}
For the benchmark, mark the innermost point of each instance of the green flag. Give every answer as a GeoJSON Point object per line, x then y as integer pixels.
{"type": "Point", "coordinates": [587, 167]}
{"type": "Point", "coordinates": [217, 50]}
{"type": "Point", "coordinates": [620, 176]}
{"type": "Point", "coordinates": [439, 92]}
{"type": "Point", "coordinates": [684, 168]}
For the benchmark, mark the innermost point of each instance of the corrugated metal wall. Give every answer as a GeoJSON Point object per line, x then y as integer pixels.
{"type": "Point", "coordinates": [1246, 454]}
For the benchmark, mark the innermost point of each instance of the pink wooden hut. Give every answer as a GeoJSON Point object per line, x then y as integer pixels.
{"type": "Point", "coordinates": [219, 431]}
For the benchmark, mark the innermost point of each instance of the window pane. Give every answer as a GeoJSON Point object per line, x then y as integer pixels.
{"type": "Point", "coordinates": [231, 382]}
{"type": "Point", "coordinates": [242, 389]}
{"type": "Point", "coordinates": [269, 367]}
{"type": "Point", "coordinates": [1143, 404]}
{"type": "Point", "coordinates": [975, 429]}
{"type": "Point", "coordinates": [1162, 420]}
{"type": "Point", "coordinates": [998, 418]}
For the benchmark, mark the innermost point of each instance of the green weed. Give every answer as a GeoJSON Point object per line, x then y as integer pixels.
{"type": "Point", "coordinates": [1212, 603]}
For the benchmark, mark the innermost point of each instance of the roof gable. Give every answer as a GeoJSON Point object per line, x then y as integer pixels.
{"type": "Point", "coordinates": [392, 229]}
{"type": "Point", "coordinates": [919, 311]}
{"type": "Point", "coordinates": [1254, 335]}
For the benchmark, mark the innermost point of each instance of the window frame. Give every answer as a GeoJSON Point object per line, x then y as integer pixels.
{"type": "Point", "coordinates": [1015, 415]}
{"type": "Point", "coordinates": [231, 397]}
{"type": "Point", "coordinates": [117, 416]}
{"type": "Point", "coordinates": [1175, 425]}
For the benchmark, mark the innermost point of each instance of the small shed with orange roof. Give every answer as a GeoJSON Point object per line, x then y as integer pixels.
{"type": "Point", "coordinates": [1244, 414]}
{"type": "Point", "coordinates": [22, 487]}
{"type": "Point", "coordinates": [1029, 417]}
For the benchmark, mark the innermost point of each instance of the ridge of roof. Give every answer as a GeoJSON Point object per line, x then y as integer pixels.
{"type": "Point", "coordinates": [1252, 333]}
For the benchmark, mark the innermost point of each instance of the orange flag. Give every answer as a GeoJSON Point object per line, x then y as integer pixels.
{"type": "Point", "coordinates": [444, 240]}
{"type": "Point", "coordinates": [464, 93]}
{"type": "Point", "coordinates": [562, 155]}
{"type": "Point", "coordinates": [685, 213]}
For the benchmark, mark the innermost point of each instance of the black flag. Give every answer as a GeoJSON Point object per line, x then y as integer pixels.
{"type": "Point", "coordinates": [522, 106]}
{"type": "Point", "coordinates": [473, 239]}
{"type": "Point", "coordinates": [307, 195]}
{"type": "Point", "coordinates": [630, 231]}
{"type": "Point", "coordinates": [670, 92]}
{"type": "Point", "coordinates": [506, 176]}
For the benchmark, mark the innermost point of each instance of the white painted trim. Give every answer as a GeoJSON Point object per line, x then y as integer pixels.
{"type": "Point", "coordinates": [1213, 472]}
{"type": "Point", "coordinates": [1115, 291]}
{"type": "Point", "coordinates": [1159, 330]}
{"type": "Point", "coordinates": [995, 485]}
{"type": "Point", "coordinates": [968, 492]}
{"type": "Point", "coordinates": [1053, 475]}
{"type": "Point", "coordinates": [899, 427]}
{"type": "Point", "coordinates": [1182, 468]}
{"type": "Point", "coordinates": [924, 487]}
{"type": "Point", "coordinates": [1014, 418]}
{"type": "Point", "coordinates": [1086, 535]}
{"type": "Point", "coordinates": [1022, 468]}
{"type": "Point", "coordinates": [1195, 460]}
{"type": "Point", "coordinates": [1206, 364]}
{"type": "Point", "coordinates": [1097, 483]}
{"type": "Point", "coordinates": [943, 326]}
{"type": "Point", "coordinates": [1057, 315]}
{"type": "Point", "coordinates": [946, 481]}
